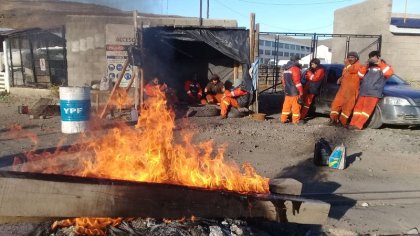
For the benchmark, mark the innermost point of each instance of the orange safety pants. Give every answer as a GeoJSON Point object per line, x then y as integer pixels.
{"type": "Point", "coordinates": [362, 111]}
{"type": "Point", "coordinates": [224, 105]}
{"type": "Point", "coordinates": [307, 100]}
{"type": "Point", "coordinates": [342, 106]}
{"type": "Point", "coordinates": [290, 106]}
{"type": "Point", "coordinates": [214, 98]}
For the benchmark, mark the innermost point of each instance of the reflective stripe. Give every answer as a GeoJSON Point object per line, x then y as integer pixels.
{"type": "Point", "coordinates": [287, 72]}
{"type": "Point", "coordinates": [226, 102]}
{"type": "Point", "coordinates": [365, 114]}
{"type": "Point", "coordinates": [189, 91]}
{"type": "Point", "coordinates": [299, 85]}
{"type": "Point", "coordinates": [306, 107]}
{"type": "Point", "coordinates": [311, 78]}
{"type": "Point", "coordinates": [360, 74]}
{"type": "Point", "coordinates": [386, 69]}
{"type": "Point", "coordinates": [334, 112]}
{"type": "Point", "coordinates": [345, 116]}
{"type": "Point", "coordinates": [296, 114]}
{"type": "Point", "coordinates": [348, 66]}
{"type": "Point", "coordinates": [285, 113]}
{"type": "Point", "coordinates": [357, 113]}
{"type": "Point", "coordinates": [232, 93]}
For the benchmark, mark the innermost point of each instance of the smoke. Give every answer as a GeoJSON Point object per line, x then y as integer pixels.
{"type": "Point", "coordinates": [145, 6]}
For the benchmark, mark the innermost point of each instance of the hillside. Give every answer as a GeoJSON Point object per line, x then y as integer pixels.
{"type": "Point", "coordinates": [20, 14]}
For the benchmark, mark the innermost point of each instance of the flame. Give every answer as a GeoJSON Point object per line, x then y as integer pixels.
{"type": "Point", "coordinates": [87, 226]}
{"type": "Point", "coordinates": [151, 153]}
{"type": "Point", "coordinates": [121, 99]}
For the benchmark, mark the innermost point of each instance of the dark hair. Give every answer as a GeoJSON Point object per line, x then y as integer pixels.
{"type": "Point", "coordinates": [374, 53]}
{"type": "Point", "coordinates": [214, 77]}
{"type": "Point", "coordinates": [315, 61]}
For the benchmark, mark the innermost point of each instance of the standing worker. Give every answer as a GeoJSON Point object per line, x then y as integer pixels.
{"type": "Point", "coordinates": [293, 91]}
{"type": "Point", "coordinates": [314, 76]}
{"type": "Point", "coordinates": [345, 99]}
{"type": "Point", "coordinates": [373, 75]}
{"type": "Point", "coordinates": [238, 97]}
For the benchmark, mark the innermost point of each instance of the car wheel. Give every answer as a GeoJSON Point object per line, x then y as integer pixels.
{"type": "Point", "coordinates": [375, 121]}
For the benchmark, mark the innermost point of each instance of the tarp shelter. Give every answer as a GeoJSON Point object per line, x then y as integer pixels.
{"type": "Point", "coordinates": [175, 54]}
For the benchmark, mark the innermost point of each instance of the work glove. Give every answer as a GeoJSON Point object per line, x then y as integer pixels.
{"type": "Point", "coordinates": [300, 100]}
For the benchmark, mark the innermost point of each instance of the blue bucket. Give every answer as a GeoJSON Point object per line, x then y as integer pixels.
{"type": "Point", "coordinates": [74, 109]}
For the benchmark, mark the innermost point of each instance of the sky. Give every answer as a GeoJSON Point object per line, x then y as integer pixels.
{"type": "Point", "coordinates": [297, 16]}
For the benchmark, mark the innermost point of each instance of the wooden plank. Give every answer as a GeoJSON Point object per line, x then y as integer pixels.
{"type": "Point", "coordinates": [41, 195]}
{"type": "Point", "coordinates": [116, 86]}
{"type": "Point", "coordinates": [285, 186]}
{"type": "Point", "coordinates": [39, 107]}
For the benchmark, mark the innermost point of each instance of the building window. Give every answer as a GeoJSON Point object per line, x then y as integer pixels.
{"type": "Point", "coordinates": [292, 47]}
{"type": "Point", "coordinates": [273, 53]}
{"type": "Point", "coordinates": [281, 54]}
{"type": "Point", "coordinates": [260, 52]}
{"type": "Point", "coordinates": [267, 43]}
{"type": "Point", "coordinates": [281, 45]}
{"type": "Point", "coordinates": [292, 54]}
{"type": "Point", "coordinates": [261, 43]}
{"type": "Point", "coordinates": [286, 54]}
{"type": "Point", "coordinates": [307, 49]}
{"type": "Point", "coordinates": [302, 55]}
{"type": "Point", "coordinates": [302, 48]}
{"type": "Point", "coordinates": [286, 46]}
{"type": "Point", "coordinates": [267, 52]}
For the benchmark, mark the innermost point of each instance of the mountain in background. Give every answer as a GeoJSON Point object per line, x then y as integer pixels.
{"type": "Point", "coordinates": [21, 14]}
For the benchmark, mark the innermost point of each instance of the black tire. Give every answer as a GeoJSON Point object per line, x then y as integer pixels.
{"type": "Point", "coordinates": [235, 113]}
{"type": "Point", "coordinates": [203, 111]}
{"type": "Point", "coordinates": [375, 121]}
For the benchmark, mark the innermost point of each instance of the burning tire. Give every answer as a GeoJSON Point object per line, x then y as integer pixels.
{"type": "Point", "coordinates": [237, 113]}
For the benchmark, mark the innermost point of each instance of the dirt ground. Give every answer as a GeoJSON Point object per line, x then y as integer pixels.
{"type": "Point", "coordinates": [378, 193]}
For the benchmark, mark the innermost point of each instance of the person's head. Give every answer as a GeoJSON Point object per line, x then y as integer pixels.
{"type": "Point", "coordinates": [374, 57]}
{"type": "Point", "coordinates": [155, 80]}
{"type": "Point", "coordinates": [315, 63]}
{"type": "Point", "coordinates": [352, 57]}
{"type": "Point", "coordinates": [295, 58]}
{"type": "Point", "coordinates": [214, 79]}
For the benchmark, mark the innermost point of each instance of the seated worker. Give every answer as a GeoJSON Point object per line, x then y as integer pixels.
{"type": "Point", "coordinates": [152, 88]}
{"type": "Point", "coordinates": [237, 97]}
{"type": "Point", "coordinates": [193, 89]}
{"type": "Point", "coordinates": [214, 90]}
{"type": "Point", "coordinates": [314, 76]}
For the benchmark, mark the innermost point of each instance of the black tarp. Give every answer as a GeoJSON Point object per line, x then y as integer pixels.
{"type": "Point", "coordinates": [232, 43]}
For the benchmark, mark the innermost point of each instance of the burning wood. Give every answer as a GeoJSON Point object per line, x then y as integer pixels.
{"type": "Point", "coordinates": [143, 172]}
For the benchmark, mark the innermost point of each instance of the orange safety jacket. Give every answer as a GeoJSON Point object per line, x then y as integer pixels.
{"type": "Point", "coordinates": [291, 81]}
{"type": "Point", "coordinates": [193, 89]}
{"type": "Point", "coordinates": [373, 79]}
{"type": "Point", "coordinates": [314, 80]}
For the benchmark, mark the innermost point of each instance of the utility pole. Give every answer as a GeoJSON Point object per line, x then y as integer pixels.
{"type": "Point", "coordinates": [405, 11]}
{"type": "Point", "coordinates": [208, 8]}
{"type": "Point", "coordinates": [201, 12]}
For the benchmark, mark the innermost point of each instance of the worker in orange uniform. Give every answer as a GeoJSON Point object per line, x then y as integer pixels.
{"type": "Point", "coordinates": [293, 91]}
{"type": "Point", "coordinates": [238, 97]}
{"type": "Point", "coordinates": [152, 88]}
{"type": "Point", "coordinates": [193, 89]}
{"type": "Point", "coordinates": [314, 76]}
{"type": "Point", "coordinates": [345, 99]}
{"type": "Point", "coordinates": [373, 76]}
{"type": "Point", "coordinates": [214, 90]}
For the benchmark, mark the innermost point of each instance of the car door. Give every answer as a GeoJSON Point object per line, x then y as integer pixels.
{"type": "Point", "coordinates": [329, 88]}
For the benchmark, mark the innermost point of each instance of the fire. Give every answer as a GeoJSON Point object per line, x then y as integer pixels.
{"type": "Point", "coordinates": [87, 226]}
{"type": "Point", "coordinates": [150, 153]}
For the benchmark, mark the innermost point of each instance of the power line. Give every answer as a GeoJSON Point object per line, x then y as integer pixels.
{"type": "Point", "coordinates": [294, 4]}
